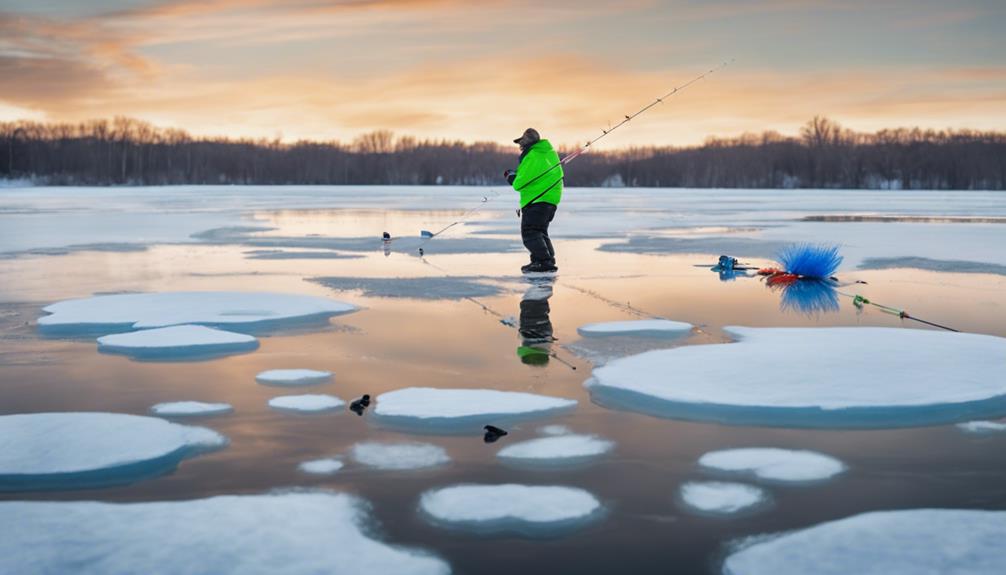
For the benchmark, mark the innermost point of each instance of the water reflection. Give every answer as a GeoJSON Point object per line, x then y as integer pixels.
{"type": "Point", "coordinates": [535, 326]}
{"type": "Point", "coordinates": [807, 296]}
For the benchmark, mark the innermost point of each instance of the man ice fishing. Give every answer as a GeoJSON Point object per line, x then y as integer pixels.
{"type": "Point", "coordinates": [539, 180]}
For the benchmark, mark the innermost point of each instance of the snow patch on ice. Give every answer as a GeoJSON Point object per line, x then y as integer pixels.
{"type": "Point", "coordinates": [80, 450]}
{"type": "Point", "coordinates": [190, 408]}
{"type": "Point", "coordinates": [642, 327]}
{"type": "Point", "coordinates": [815, 377]}
{"type": "Point", "coordinates": [292, 533]}
{"type": "Point", "coordinates": [524, 509]}
{"type": "Point", "coordinates": [232, 310]}
{"type": "Point", "coordinates": [293, 377]}
{"type": "Point", "coordinates": [721, 497]}
{"type": "Point", "coordinates": [326, 466]}
{"type": "Point", "coordinates": [918, 541]}
{"type": "Point", "coordinates": [982, 426]}
{"type": "Point", "coordinates": [307, 403]}
{"type": "Point", "coordinates": [431, 409]}
{"type": "Point", "coordinates": [555, 451]}
{"type": "Point", "coordinates": [774, 464]}
{"type": "Point", "coordinates": [399, 456]}
{"type": "Point", "coordinates": [554, 430]}
{"type": "Point", "coordinates": [179, 341]}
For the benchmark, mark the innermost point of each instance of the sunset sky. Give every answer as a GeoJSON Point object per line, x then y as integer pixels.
{"type": "Point", "coordinates": [485, 70]}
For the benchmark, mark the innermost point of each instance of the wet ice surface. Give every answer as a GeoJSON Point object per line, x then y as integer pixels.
{"type": "Point", "coordinates": [721, 497]}
{"type": "Point", "coordinates": [392, 343]}
{"type": "Point", "coordinates": [445, 410]}
{"type": "Point", "coordinates": [773, 464]}
{"type": "Point", "coordinates": [399, 456]}
{"type": "Point", "coordinates": [297, 533]}
{"type": "Point", "coordinates": [190, 408]}
{"type": "Point", "coordinates": [293, 377]}
{"type": "Point", "coordinates": [220, 308]}
{"type": "Point", "coordinates": [326, 466]}
{"type": "Point", "coordinates": [919, 541]}
{"type": "Point", "coordinates": [643, 327]}
{"type": "Point", "coordinates": [555, 451]}
{"type": "Point", "coordinates": [79, 450]}
{"type": "Point", "coordinates": [178, 341]}
{"type": "Point", "coordinates": [980, 427]}
{"type": "Point", "coordinates": [849, 377]}
{"type": "Point", "coordinates": [307, 403]}
{"type": "Point", "coordinates": [524, 509]}
{"type": "Point", "coordinates": [415, 288]}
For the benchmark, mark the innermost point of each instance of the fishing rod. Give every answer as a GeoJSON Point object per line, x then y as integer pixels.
{"type": "Point", "coordinates": [860, 301]}
{"type": "Point", "coordinates": [573, 155]}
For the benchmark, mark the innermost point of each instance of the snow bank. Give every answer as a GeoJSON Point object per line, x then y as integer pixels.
{"type": "Point", "coordinates": [180, 341]}
{"type": "Point", "coordinates": [190, 408]}
{"type": "Point", "coordinates": [432, 409]}
{"type": "Point", "coordinates": [720, 497]}
{"type": "Point", "coordinates": [982, 426]}
{"type": "Point", "coordinates": [525, 509]}
{"type": "Point", "coordinates": [292, 377]}
{"type": "Point", "coordinates": [80, 450]}
{"type": "Point", "coordinates": [326, 466]}
{"type": "Point", "coordinates": [556, 451]}
{"type": "Point", "coordinates": [399, 456]}
{"type": "Point", "coordinates": [815, 377]}
{"type": "Point", "coordinates": [774, 464]}
{"type": "Point", "coordinates": [642, 327]}
{"type": "Point", "coordinates": [244, 310]}
{"type": "Point", "coordinates": [918, 541]}
{"type": "Point", "coordinates": [307, 403]}
{"type": "Point", "coordinates": [292, 533]}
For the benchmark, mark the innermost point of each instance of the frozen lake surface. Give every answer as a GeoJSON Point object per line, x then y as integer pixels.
{"type": "Point", "coordinates": [415, 481]}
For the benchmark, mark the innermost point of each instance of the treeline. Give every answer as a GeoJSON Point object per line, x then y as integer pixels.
{"type": "Point", "coordinates": [124, 151]}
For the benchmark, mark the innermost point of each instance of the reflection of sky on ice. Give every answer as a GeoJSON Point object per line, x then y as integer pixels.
{"type": "Point", "coordinates": [414, 340]}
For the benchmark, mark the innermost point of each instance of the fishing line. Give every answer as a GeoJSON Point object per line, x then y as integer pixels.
{"type": "Point", "coordinates": [573, 155]}
{"type": "Point", "coordinates": [859, 301]}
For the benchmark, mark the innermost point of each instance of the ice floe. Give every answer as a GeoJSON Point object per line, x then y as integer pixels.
{"type": "Point", "coordinates": [228, 309]}
{"type": "Point", "coordinates": [642, 327]}
{"type": "Point", "coordinates": [326, 466]}
{"type": "Point", "coordinates": [917, 541]}
{"type": "Point", "coordinates": [554, 429]}
{"type": "Point", "coordinates": [773, 464]}
{"type": "Point", "coordinates": [292, 533]}
{"type": "Point", "coordinates": [721, 497]}
{"type": "Point", "coordinates": [307, 403]}
{"type": "Point", "coordinates": [556, 451]}
{"type": "Point", "coordinates": [524, 509]}
{"type": "Point", "coordinates": [190, 408]}
{"type": "Point", "coordinates": [432, 409]}
{"type": "Point", "coordinates": [399, 456]}
{"type": "Point", "coordinates": [178, 341]}
{"type": "Point", "coordinates": [293, 377]}
{"type": "Point", "coordinates": [982, 426]}
{"type": "Point", "coordinates": [78, 450]}
{"type": "Point", "coordinates": [844, 377]}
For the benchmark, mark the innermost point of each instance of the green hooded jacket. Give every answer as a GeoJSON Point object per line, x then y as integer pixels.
{"type": "Point", "coordinates": [534, 175]}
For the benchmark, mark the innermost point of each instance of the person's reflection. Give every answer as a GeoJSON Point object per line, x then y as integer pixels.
{"type": "Point", "coordinates": [535, 326]}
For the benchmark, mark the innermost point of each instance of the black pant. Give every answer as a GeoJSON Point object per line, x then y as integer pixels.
{"type": "Point", "coordinates": [534, 221]}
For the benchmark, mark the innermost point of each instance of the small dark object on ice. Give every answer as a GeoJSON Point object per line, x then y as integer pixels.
{"type": "Point", "coordinates": [421, 253]}
{"type": "Point", "coordinates": [493, 433]}
{"type": "Point", "coordinates": [387, 237]}
{"type": "Point", "coordinates": [360, 405]}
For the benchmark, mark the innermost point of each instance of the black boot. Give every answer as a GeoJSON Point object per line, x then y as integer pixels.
{"type": "Point", "coordinates": [540, 267]}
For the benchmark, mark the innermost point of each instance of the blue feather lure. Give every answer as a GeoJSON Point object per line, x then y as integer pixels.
{"type": "Point", "coordinates": [810, 260]}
